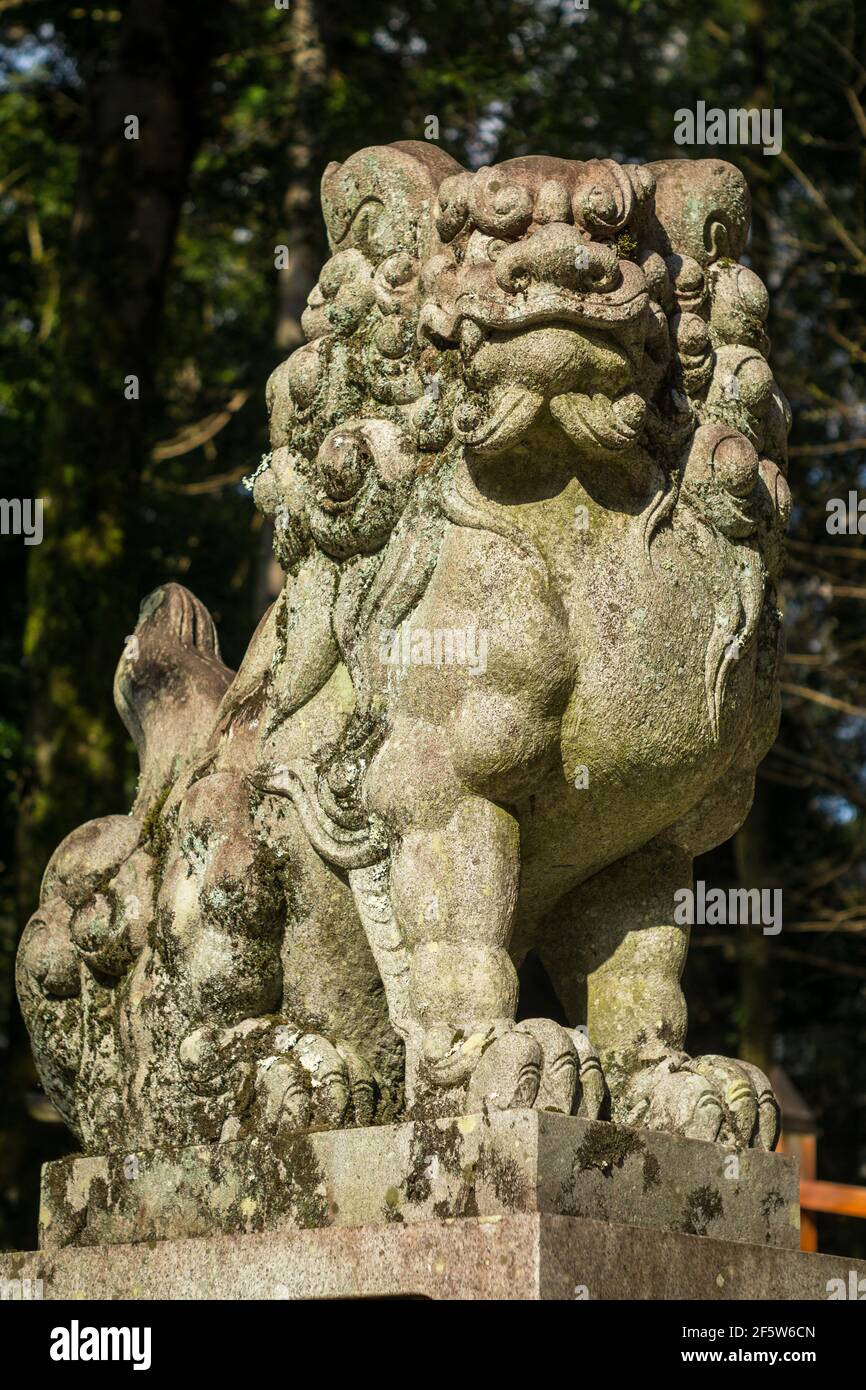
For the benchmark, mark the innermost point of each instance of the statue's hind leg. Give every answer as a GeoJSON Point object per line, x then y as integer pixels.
{"type": "Point", "coordinates": [90, 934]}
{"type": "Point", "coordinates": [616, 937]}
{"type": "Point", "coordinates": [281, 1018]}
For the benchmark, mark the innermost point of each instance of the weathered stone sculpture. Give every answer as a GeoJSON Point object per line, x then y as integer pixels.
{"type": "Point", "coordinates": [528, 489]}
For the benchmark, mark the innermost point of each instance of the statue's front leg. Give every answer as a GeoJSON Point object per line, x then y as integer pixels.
{"type": "Point", "coordinates": [455, 873]}
{"type": "Point", "coordinates": [453, 886]}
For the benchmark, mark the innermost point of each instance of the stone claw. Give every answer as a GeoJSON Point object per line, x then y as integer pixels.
{"type": "Point", "coordinates": [717, 1099]}
{"type": "Point", "coordinates": [283, 1094]}
{"type": "Point", "coordinates": [766, 1135]}
{"type": "Point", "coordinates": [508, 1075]}
{"type": "Point", "coordinates": [329, 1079]}
{"type": "Point", "coordinates": [297, 1079]}
{"type": "Point", "coordinates": [363, 1087]}
{"type": "Point", "coordinates": [315, 1082]}
{"type": "Point", "coordinates": [536, 1064]}
{"type": "Point", "coordinates": [592, 1087]}
{"type": "Point", "coordinates": [734, 1087]}
{"type": "Point", "coordinates": [559, 1064]}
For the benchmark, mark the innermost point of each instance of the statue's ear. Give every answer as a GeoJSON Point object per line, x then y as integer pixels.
{"type": "Point", "coordinates": [703, 209]}
{"type": "Point", "coordinates": [382, 199]}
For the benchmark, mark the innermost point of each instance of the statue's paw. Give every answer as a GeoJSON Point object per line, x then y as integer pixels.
{"type": "Point", "coordinates": [536, 1064]}
{"type": "Point", "coordinates": [752, 1118]}
{"type": "Point", "coordinates": [304, 1086]}
{"type": "Point", "coordinates": [48, 965]}
{"type": "Point", "coordinates": [314, 1083]}
{"type": "Point", "coordinates": [95, 906]}
{"type": "Point", "coordinates": [213, 1064]}
{"type": "Point", "coordinates": [264, 1075]}
{"type": "Point", "coordinates": [668, 1096]}
{"type": "Point", "coordinates": [712, 1098]}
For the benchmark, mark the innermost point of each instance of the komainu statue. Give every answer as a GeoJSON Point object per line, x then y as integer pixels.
{"type": "Point", "coordinates": [527, 487]}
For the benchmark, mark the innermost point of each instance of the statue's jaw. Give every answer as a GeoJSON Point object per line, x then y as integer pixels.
{"type": "Point", "coordinates": [593, 422]}
{"type": "Point", "coordinates": [584, 381]}
{"type": "Point", "coordinates": [510, 412]}
{"type": "Point", "coordinates": [544, 304]}
{"type": "Point", "coordinates": [611, 426]}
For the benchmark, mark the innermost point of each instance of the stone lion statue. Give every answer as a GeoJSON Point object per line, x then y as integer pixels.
{"type": "Point", "coordinates": [527, 486]}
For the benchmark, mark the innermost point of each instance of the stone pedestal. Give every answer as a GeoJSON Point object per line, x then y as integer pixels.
{"type": "Point", "coordinates": [475, 1166]}
{"type": "Point", "coordinates": [524, 1205]}
{"type": "Point", "coordinates": [525, 1256]}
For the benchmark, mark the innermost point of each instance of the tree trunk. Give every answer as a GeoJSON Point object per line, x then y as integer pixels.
{"type": "Point", "coordinates": [302, 231]}
{"type": "Point", "coordinates": [306, 164]}
{"type": "Point", "coordinates": [83, 585]}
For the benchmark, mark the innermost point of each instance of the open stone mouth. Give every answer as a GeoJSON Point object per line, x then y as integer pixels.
{"type": "Point", "coordinates": [554, 306]}
{"type": "Point", "coordinates": [336, 506]}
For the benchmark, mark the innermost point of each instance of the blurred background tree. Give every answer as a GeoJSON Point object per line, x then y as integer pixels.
{"type": "Point", "coordinates": [155, 259]}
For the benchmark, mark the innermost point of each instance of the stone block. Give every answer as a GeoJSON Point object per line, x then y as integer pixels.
{"type": "Point", "coordinates": [473, 1166]}
{"type": "Point", "coordinates": [526, 1256]}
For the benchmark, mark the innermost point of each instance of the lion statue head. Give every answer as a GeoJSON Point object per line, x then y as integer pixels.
{"type": "Point", "coordinates": [594, 310]}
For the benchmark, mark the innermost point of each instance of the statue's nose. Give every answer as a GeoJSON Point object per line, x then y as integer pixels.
{"type": "Point", "coordinates": [557, 255]}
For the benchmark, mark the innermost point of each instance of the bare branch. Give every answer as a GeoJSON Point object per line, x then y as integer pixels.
{"type": "Point", "coordinates": [194, 436]}
{"type": "Point", "coordinates": [817, 197]}
{"type": "Point", "coordinates": [205, 485]}
{"type": "Point", "coordinates": [830, 701]}
{"type": "Point", "coordinates": [839, 446]}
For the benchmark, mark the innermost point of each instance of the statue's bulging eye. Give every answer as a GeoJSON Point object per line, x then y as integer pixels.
{"type": "Point", "coordinates": [342, 464]}
{"type": "Point", "coordinates": [601, 202]}
{"type": "Point", "coordinates": [451, 210]}
{"type": "Point", "coordinates": [499, 207]}
{"type": "Point", "coordinates": [604, 276]}
{"type": "Point", "coordinates": [505, 197]}
{"type": "Point", "coordinates": [735, 465]}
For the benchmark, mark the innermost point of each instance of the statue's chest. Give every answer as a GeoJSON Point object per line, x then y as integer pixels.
{"type": "Point", "coordinates": [604, 657]}
{"type": "Point", "coordinates": [665, 637]}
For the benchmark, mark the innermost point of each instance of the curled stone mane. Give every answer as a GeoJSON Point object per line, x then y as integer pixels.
{"type": "Point", "coordinates": [419, 362]}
